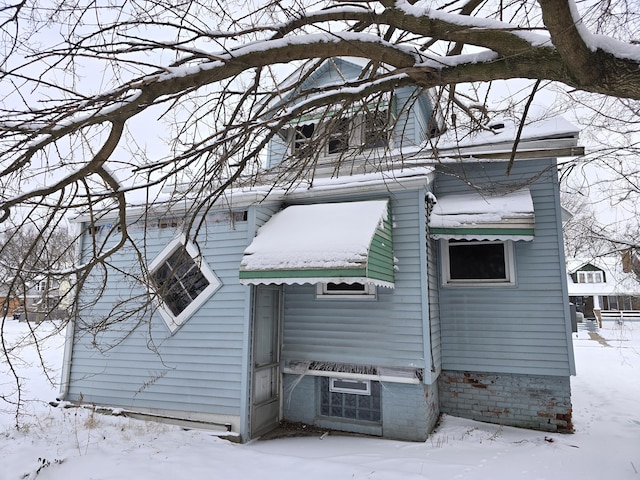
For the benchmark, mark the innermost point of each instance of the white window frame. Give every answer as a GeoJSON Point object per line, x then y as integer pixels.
{"type": "Point", "coordinates": [590, 276]}
{"type": "Point", "coordinates": [364, 130]}
{"type": "Point", "coordinates": [333, 387]}
{"type": "Point", "coordinates": [347, 124]}
{"type": "Point", "coordinates": [369, 291]}
{"type": "Point", "coordinates": [172, 321]}
{"type": "Point", "coordinates": [302, 143]}
{"type": "Point", "coordinates": [510, 270]}
{"type": "Point", "coordinates": [356, 134]}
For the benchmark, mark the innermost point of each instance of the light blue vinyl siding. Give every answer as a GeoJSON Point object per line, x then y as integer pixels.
{"type": "Point", "coordinates": [413, 114]}
{"type": "Point", "coordinates": [198, 368]}
{"type": "Point", "coordinates": [387, 331]}
{"type": "Point", "coordinates": [512, 329]}
{"type": "Point", "coordinates": [277, 151]}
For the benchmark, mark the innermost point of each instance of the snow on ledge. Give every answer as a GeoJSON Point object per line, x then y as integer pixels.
{"type": "Point", "coordinates": [459, 210]}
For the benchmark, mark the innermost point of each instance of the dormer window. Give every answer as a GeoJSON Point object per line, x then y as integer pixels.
{"type": "Point", "coordinates": [376, 132]}
{"type": "Point", "coordinates": [365, 130]}
{"type": "Point", "coordinates": [590, 277]}
{"type": "Point", "coordinates": [339, 133]}
{"type": "Point", "coordinates": [302, 136]}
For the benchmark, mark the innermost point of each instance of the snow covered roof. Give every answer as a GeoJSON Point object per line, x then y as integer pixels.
{"type": "Point", "coordinates": [553, 132]}
{"type": "Point", "coordinates": [330, 242]}
{"type": "Point", "coordinates": [474, 216]}
{"type": "Point", "coordinates": [270, 190]}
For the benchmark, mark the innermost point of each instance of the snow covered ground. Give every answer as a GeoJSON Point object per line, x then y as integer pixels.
{"type": "Point", "coordinates": [57, 443]}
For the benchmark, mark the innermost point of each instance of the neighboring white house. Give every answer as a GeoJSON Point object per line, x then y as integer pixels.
{"type": "Point", "coordinates": [603, 285]}
{"type": "Point", "coordinates": [43, 298]}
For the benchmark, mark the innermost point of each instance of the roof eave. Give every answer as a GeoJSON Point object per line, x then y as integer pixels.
{"type": "Point", "coordinates": [529, 149]}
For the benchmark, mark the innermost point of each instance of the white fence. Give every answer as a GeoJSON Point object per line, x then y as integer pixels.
{"type": "Point", "coordinates": [617, 315]}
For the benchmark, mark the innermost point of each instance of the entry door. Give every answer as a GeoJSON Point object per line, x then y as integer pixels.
{"type": "Point", "coordinates": [265, 386]}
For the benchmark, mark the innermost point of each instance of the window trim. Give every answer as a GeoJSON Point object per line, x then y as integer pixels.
{"type": "Point", "coordinates": [509, 257]}
{"type": "Point", "coordinates": [369, 292]}
{"type": "Point", "coordinates": [333, 387]}
{"type": "Point", "coordinates": [597, 276]}
{"type": "Point", "coordinates": [381, 136]}
{"type": "Point", "coordinates": [352, 129]}
{"type": "Point", "coordinates": [172, 321]}
{"type": "Point", "coordinates": [299, 144]}
{"type": "Point", "coordinates": [340, 130]}
{"type": "Point", "coordinates": [337, 410]}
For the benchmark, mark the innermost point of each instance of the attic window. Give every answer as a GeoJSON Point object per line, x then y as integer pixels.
{"type": "Point", "coordinates": [182, 280]}
{"type": "Point", "coordinates": [590, 277]}
{"type": "Point", "coordinates": [94, 230]}
{"type": "Point", "coordinates": [376, 133]}
{"type": "Point", "coordinates": [302, 136]}
{"type": "Point", "coordinates": [339, 131]}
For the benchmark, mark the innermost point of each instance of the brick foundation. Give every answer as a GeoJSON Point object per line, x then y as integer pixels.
{"type": "Point", "coordinates": [529, 401]}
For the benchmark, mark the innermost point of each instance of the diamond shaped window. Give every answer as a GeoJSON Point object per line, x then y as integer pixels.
{"type": "Point", "coordinates": [182, 280]}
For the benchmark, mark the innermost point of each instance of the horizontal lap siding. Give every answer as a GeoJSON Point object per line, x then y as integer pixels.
{"type": "Point", "coordinates": [519, 329]}
{"type": "Point", "coordinates": [406, 130]}
{"type": "Point", "coordinates": [383, 332]}
{"type": "Point", "coordinates": [198, 368]}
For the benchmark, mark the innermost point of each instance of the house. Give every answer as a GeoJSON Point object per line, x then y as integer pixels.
{"type": "Point", "coordinates": [601, 288]}
{"type": "Point", "coordinates": [370, 299]}
{"type": "Point", "coordinates": [9, 302]}
{"type": "Point", "coordinates": [35, 299]}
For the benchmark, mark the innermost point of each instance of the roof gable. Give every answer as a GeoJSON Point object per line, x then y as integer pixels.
{"type": "Point", "coordinates": [334, 71]}
{"type": "Point", "coordinates": [574, 266]}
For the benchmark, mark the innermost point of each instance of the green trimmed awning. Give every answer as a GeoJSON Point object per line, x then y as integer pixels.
{"type": "Point", "coordinates": [348, 242]}
{"type": "Point", "coordinates": [474, 216]}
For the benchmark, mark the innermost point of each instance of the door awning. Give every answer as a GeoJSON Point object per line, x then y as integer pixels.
{"type": "Point", "coordinates": [474, 216]}
{"type": "Point", "coordinates": [349, 242]}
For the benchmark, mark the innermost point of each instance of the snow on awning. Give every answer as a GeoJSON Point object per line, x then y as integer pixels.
{"type": "Point", "coordinates": [473, 216]}
{"type": "Point", "coordinates": [346, 242]}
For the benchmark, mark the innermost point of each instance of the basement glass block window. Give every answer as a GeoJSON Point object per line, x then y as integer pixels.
{"type": "Point", "coordinates": [182, 281]}
{"type": "Point", "coordinates": [350, 399]}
